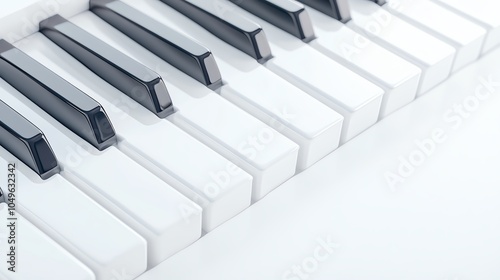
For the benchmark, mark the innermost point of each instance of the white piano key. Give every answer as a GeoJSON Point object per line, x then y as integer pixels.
{"type": "Point", "coordinates": [357, 99]}
{"type": "Point", "coordinates": [258, 149]}
{"type": "Point", "coordinates": [466, 36]}
{"type": "Point", "coordinates": [351, 95]}
{"type": "Point", "coordinates": [447, 211]}
{"type": "Point", "coordinates": [315, 127]}
{"type": "Point", "coordinates": [221, 188]}
{"type": "Point", "coordinates": [484, 13]}
{"type": "Point", "coordinates": [432, 55]}
{"type": "Point", "coordinates": [265, 95]}
{"type": "Point", "coordinates": [123, 187]}
{"type": "Point", "coordinates": [37, 254]}
{"type": "Point", "coordinates": [140, 199]}
{"type": "Point", "coordinates": [255, 147]}
{"type": "Point", "coordinates": [20, 18]}
{"type": "Point", "coordinates": [398, 77]}
{"type": "Point", "coordinates": [80, 225]}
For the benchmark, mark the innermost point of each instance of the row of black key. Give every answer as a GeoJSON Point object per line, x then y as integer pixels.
{"type": "Point", "coordinates": [183, 53]}
{"type": "Point", "coordinates": [85, 116]}
{"type": "Point", "coordinates": [64, 102]}
{"type": "Point", "coordinates": [139, 82]}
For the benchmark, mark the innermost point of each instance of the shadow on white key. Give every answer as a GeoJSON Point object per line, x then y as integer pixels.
{"type": "Point", "coordinates": [258, 149]}
{"type": "Point", "coordinates": [466, 36]}
{"type": "Point", "coordinates": [37, 256]}
{"type": "Point", "coordinates": [140, 199]}
{"type": "Point", "coordinates": [349, 94]}
{"type": "Point", "coordinates": [77, 223]}
{"type": "Point", "coordinates": [432, 55]}
{"type": "Point", "coordinates": [265, 95]}
{"type": "Point", "coordinates": [398, 77]}
{"type": "Point", "coordinates": [222, 189]}
{"type": "Point", "coordinates": [482, 12]}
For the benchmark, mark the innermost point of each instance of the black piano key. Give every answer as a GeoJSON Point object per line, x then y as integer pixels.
{"type": "Point", "coordinates": [338, 9]}
{"type": "Point", "coordinates": [230, 27]}
{"type": "Point", "coordinates": [121, 71]}
{"type": "Point", "coordinates": [285, 14]}
{"type": "Point", "coordinates": [178, 50]}
{"type": "Point", "coordinates": [380, 2]}
{"type": "Point", "coordinates": [64, 102]}
{"type": "Point", "coordinates": [26, 142]}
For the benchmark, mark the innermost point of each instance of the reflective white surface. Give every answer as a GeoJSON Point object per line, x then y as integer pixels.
{"type": "Point", "coordinates": [441, 223]}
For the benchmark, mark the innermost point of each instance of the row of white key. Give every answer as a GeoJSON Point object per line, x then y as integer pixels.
{"type": "Point", "coordinates": [35, 264]}
{"type": "Point", "coordinates": [79, 224]}
{"type": "Point", "coordinates": [122, 186]}
{"type": "Point", "coordinates": [432, 55]}
{"type": "Point", "coordinates": [265, 95]}
{"type": "Point", "coordinates": [399, 78]}
{"type": "Point", "coordinates": [341, 89]}
{"type": "Point", "coordinates": [482, 12]}
{"type": "Point", "coordinates": [466, 36]}
{"type": "Point", "coordinates": [158, 145]}
{"type": "Point", "coordinates": [20, 18]}
{"type": "Point", "coordinates": [258, 149]}
{"type": "Point", "coordinates": [190, 121]}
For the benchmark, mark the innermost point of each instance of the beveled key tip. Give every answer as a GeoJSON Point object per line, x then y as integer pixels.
{"type": "Point", "coordinates": [161, 96]}
{"type": "Point", "coordinates": [46, 160]}
{"type": "Point", "coordinates": [26, 142]}
{"type": "Point", "coordinates": [103, 129]}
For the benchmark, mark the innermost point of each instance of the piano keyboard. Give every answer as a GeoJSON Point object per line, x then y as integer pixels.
{"type": "Point", "coordinates": [139, 126]}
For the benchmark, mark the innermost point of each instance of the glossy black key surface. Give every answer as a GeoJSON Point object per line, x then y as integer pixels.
{"type": "Point", "coordinates": [26, 142]}
{"type": "Point", "coordinates": [285, 14]}
{"type": "Point", "coordinates": [338, 9]}
{"type": "Point", "coordinates": [230, 27]}
{"type": "Point", "coordinates": [64, 102]}
{"type": "Point", "coordinates": [121, 71]}
{"type": "Point", "coordinates": [175, 48]}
